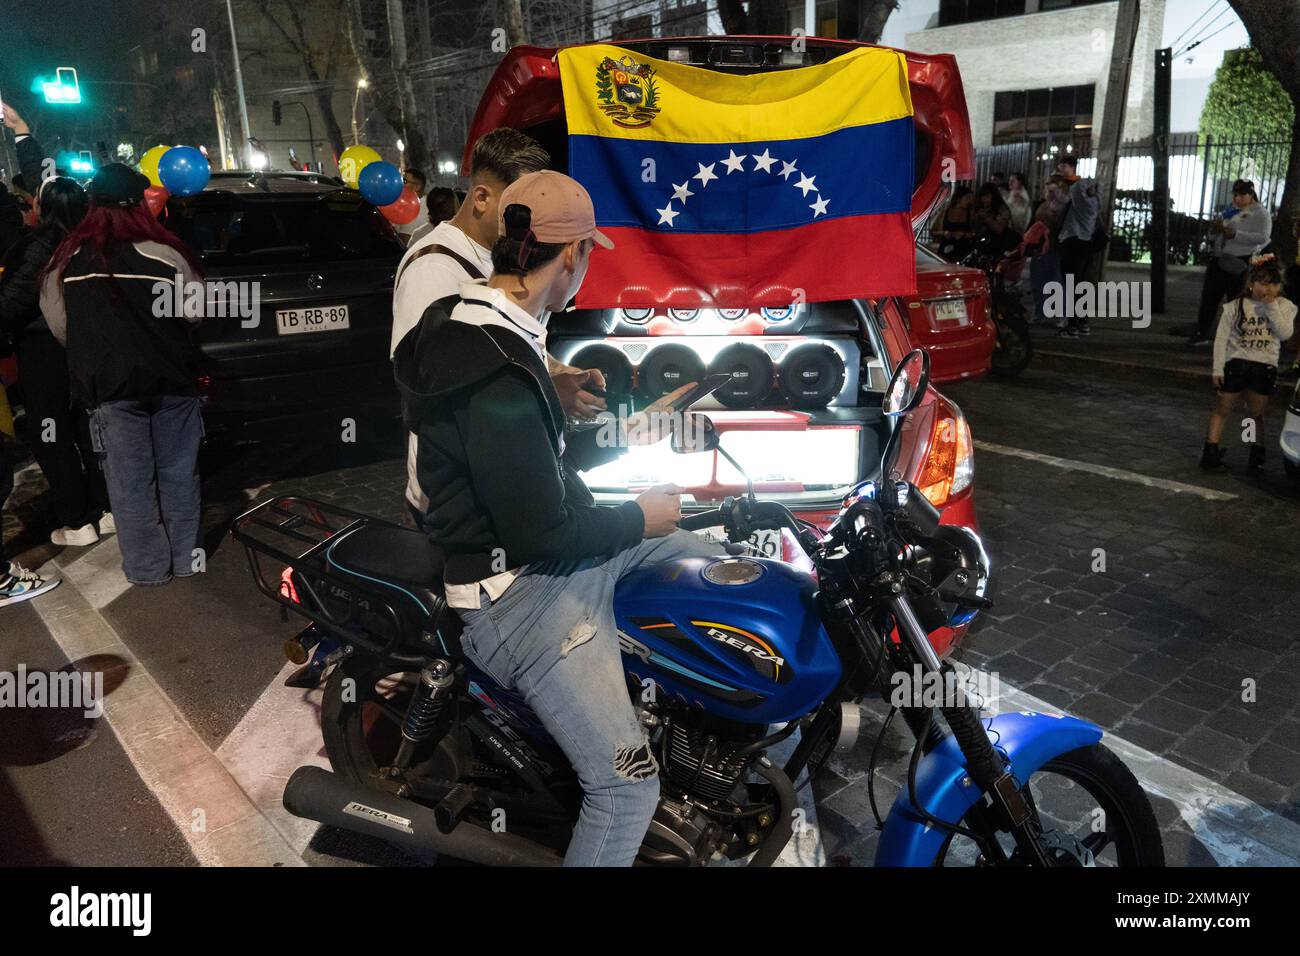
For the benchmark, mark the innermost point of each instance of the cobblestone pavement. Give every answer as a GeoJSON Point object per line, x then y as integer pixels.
{"type": "Point", "coordinates": [1194, 607]}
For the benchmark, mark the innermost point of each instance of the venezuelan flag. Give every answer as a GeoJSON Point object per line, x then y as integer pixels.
{"type": "Point", "coordinates": [732, 191]}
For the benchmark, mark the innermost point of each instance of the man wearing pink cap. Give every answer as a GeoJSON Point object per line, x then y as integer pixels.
{"type": "Point", "coordinates": [531, 559]}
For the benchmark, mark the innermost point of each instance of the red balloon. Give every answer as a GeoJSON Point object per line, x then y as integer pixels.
{"type": "Point", "coordinates": [155, 197]}
{"type": "Point", "coordinates": [403, 209]}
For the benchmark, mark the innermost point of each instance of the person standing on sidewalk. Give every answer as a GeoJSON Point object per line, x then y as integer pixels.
{"type": "Point", "coordinates": [1078, 226]}
{"type": "Point", "coordinates": [17, 583]}
{"type": "Point", "coordinates": [107, 296]}
{"type": "Point", "coordinates": [1252, 328]}
{"type": "Point", "coordinates": [58, 435]}
{"type": "Point", "coordinates": [1237, 237]}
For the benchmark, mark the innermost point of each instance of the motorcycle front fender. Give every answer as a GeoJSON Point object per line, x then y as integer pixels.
{"type": "Point", "coordinates": [1028, 740]}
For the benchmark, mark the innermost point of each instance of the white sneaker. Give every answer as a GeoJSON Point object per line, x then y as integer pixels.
{"type": "Point", "coordinates": [74, 537]}
{"type": "Point", "coordinates": [107, 525]}
{"type": "Point", "coordinates": [19, 584]}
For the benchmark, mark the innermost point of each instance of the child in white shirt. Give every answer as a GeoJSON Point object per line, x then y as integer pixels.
{"type": "Point", "coordinates": [1252, 328]}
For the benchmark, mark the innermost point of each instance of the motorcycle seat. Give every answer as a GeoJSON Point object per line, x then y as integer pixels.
{"type": "Point", "coordinates": [400, 562]}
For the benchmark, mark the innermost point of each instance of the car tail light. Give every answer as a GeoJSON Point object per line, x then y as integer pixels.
{"type": "Point", "coordinates": [949, 466]}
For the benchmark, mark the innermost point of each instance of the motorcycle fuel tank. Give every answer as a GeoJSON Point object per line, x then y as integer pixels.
{"type": "Point", "coordinates": [738, 637]}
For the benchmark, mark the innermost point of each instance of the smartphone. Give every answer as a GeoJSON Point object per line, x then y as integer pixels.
{"type": "Point", "coordinates": [708, 386]}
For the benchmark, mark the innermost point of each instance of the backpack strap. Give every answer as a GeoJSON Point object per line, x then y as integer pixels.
{"type": "Point", "coordinates": [473, 271]}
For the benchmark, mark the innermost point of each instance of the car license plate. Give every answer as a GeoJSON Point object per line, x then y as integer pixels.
{"type": "Point", "coordinates": [325, 318]}
{"type": "Point", "coordinates": [764, 544]}
{"type": "Point", "coordinates": [950, 310]}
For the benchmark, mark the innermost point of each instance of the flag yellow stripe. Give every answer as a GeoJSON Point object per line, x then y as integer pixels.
{"type": "Point", "coordinates": [866, 85]}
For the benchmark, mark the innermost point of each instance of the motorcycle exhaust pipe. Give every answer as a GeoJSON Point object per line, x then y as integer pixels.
{"type": "Point", "coordinates": [314, 793]}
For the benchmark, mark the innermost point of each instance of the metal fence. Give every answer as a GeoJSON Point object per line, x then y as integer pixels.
{"type": "Point", "coordinates": [1201, 173]}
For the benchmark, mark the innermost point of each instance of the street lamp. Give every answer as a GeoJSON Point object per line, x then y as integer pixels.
{"type": "Point", "coordinates": [362, 84]}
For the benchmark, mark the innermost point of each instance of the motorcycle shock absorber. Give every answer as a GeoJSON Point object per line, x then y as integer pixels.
{"type": "Point", "coordinates": [428, 703]}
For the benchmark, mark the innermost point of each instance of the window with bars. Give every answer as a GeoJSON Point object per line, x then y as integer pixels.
{"type": "Point", "coordinates": [1026, 114]}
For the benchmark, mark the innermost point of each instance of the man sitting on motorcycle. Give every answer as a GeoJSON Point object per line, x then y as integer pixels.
{"type": "Point", "coordinates": [531, 559]}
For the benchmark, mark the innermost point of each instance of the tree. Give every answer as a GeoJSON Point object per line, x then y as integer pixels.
{"type": "Point", "coordinates": [367, 19]}
{"type": "Point", "coordinates": [512, 15]}
{"type": "Point", "coordinates": [1274, 30]}
{"type": "Point", "coordinates": [769, 17]}
{"type": "Point", "coordinates": [322, 49]}
{"type": "Point", "coordinates": [874, 15]}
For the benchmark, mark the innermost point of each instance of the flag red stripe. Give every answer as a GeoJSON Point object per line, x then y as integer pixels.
{"type": "Point", "coordinates": [861, 256]}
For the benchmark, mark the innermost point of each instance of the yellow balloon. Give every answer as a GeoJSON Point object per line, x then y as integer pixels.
{"type": "Point", "coordinates": [149, 163]}
{"type": "Point", "coordinates": [353, 160]}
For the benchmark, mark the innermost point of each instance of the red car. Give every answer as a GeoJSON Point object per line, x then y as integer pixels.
{"type": "Point", "coordinates": [803, 412]}
{"type": "Point", "coordinates": [949, 318]}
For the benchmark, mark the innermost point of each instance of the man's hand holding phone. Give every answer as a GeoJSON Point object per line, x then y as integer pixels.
{"type": "Point", "coordinates": [575, 385]}
{"type": "Point", "coordinates": [662, 508]}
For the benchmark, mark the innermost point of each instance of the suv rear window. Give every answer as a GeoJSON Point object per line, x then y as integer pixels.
{"type": "Point", "coordinates": [271, 230]}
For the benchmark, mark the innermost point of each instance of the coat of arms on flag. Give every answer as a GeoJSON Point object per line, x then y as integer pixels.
{"type": "Point", "coordinates": [734, 191]}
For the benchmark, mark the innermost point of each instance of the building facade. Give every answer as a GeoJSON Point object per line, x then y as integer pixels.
{"type": "Point", "coordinates": [1037, 69]}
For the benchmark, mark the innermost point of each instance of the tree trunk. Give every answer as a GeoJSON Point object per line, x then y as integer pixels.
{"type": "Point", "coordinates": [875, 13]}
{"type": "Point", "coordinates": [384, 87]}
{"type": "Point", "coordinates": [765, 17]}
{"type": "Point", "coordinates": [1274, 29]}
{"type": "Point", "coordinates": [512, 16]}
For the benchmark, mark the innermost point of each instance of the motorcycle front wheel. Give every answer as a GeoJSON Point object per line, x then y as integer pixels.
{"type": "Point", "coordinates": [1093, 812]}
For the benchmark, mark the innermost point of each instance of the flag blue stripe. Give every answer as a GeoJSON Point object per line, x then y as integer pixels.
{"type": "Point", "coordinates": [857, 171]}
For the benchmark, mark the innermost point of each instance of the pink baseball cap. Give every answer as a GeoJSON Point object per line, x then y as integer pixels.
{"type": "Point", "coordinates": [561, 210]}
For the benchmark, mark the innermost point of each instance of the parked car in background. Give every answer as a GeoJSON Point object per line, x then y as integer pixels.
{"type": "Point", "coordinates": [949, 317]}
{"type": "Point", "coordinates": [300, 275]}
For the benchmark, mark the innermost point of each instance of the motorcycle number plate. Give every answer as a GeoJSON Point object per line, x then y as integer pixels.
{"type": "Point", "coordinates": [763, 544]}
{"type": "Point", "coordinates": [949, 310]}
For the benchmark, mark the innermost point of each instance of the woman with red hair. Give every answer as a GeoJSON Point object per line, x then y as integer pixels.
{"type": "Point", "coordinates": [108, 295]}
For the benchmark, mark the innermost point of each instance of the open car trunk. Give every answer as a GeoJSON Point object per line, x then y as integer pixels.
{"type": "Point", "coordinates": [808, 424]}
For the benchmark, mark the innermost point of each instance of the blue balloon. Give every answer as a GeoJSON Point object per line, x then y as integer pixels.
{"type": "Point", "coordinates": [380, 183]}
{"type": "Point", "coordinates": [184, 171]}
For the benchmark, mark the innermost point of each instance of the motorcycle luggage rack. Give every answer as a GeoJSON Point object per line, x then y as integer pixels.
{"type": "Point", "coordinates": [285, 540]}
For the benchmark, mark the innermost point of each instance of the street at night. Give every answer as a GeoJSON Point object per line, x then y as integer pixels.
{"type": "Point", "coordinates": [806, 435]}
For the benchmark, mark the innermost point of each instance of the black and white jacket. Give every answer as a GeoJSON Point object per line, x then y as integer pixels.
{"type": "Point", "coordinates": [107, 314]}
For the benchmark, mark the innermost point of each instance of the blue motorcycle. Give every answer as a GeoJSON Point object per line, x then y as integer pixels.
{"type": "Point", "coordinates": [726, 658]}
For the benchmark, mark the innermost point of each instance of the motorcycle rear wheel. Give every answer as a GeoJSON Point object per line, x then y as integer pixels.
{"type": "Point", "coordinates": [1014, 348]}
{"type": "Point", "coordinates": [1130, 835]}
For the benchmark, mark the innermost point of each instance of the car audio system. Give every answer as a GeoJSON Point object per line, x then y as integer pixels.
{"type": "Point", "coordinates": [767, 371]}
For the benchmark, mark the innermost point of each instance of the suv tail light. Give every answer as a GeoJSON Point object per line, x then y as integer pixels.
{"type": "Point", "coordinates": [949, 466]}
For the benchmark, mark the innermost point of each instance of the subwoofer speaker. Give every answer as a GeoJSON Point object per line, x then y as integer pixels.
{"type": "Point", "coordinates": [669, 367]}
{"type": "Point", "coordinates": [612, 362]}
{"type": "Point", "coordinates": [812, 375]}
{"type": "Point", "coordinates": [750, 369]}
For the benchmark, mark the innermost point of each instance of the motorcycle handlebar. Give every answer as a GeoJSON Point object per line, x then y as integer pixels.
{"type": "Point", "coordinates": [700, 521]}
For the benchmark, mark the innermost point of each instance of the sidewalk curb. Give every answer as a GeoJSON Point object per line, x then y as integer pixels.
{"type": "Point", "coordinates": [1119, 370]}
{"type": "Point", "coordinates": [169, 756]}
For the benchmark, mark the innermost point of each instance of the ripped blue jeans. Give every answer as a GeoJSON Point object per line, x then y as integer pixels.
{"type": "Point", "coordinates": [552, 636]}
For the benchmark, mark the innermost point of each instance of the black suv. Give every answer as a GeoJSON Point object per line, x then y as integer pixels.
{"type": "Point", "coordinates": [312, 349]}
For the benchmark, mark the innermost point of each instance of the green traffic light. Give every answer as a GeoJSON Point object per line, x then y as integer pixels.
{"type": "Point", "coordinates": [64, 88]}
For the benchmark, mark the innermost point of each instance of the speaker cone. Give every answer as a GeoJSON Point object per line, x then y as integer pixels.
{"type": "Point", "coordinates": [611, 361]}
{"type": "Point", "coordinates": [751, 375]}
{"type": "Point", "coordinates": [812, 375]}
{"type": "Point", "coordinates": [669, 367]}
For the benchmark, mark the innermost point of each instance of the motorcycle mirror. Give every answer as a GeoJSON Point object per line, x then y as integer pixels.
{"type": "Point", "coordinates": [907, 387]}
{"type": "Point", "coordinates": [694, 433]}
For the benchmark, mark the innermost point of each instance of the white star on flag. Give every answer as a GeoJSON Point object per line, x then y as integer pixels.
{"type": "Point", "coordinates": [787, 169]}
{"type": "Point", "coordinates": [734, 163]}
{"type": "Point", "coordinates": [819, 207]}
{"type": "Point", "coordinates": [668, 214]}
{"type": "Point", "coordinates": [806, 184]}
{"type": "Point", "coordinates": [682, 192]}
{"type": "Point", "coordinates": [705, 173]}
{"type": "Point", "coordinates": [763, 164]}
